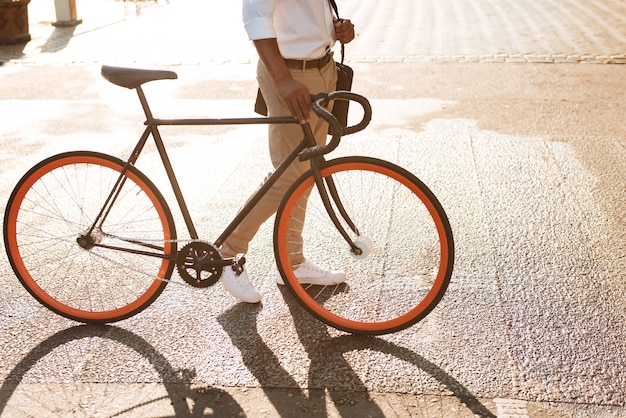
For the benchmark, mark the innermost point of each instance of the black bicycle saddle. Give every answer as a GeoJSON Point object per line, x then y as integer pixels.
{"type": "Point", "coordinates": [131, 78]}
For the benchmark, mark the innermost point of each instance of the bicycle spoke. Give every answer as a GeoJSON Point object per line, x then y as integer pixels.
{"type": "Point", "coordinates": [55, 204]}
{"type": "Point", "coordinates": [405, 268]}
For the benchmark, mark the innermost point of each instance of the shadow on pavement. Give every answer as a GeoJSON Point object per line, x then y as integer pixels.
{"type": "Point", "coordinates": [58, 39]}
{"type": "Point", "coordinates": [330, 374]}
{"type": "Point", "coordinates": [329, 371]}
{"type": "Point", "coordinates": [185, 401]}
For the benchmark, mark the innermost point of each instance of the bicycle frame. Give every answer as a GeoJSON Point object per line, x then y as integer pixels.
{"type": "Point", "coordinates": [152, 124]}
{"type": "Point", "coordinates": [111, 268]}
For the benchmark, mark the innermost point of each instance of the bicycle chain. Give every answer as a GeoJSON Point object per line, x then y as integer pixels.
{"type": "Point", "coordinates": [177, 241]}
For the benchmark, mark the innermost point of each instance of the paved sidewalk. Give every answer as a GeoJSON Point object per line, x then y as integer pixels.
{"type": "Point", "coordinates": [175, 32]}
{"type": "Point", "coordinates": [148, 32]}
{"type": "Point", "coordinates": [559, 127]}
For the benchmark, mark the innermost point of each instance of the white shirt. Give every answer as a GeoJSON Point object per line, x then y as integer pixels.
{"type": "Point", "coordinates": [303, 28]}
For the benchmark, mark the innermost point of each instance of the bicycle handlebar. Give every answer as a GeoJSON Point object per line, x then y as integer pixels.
{"type": "Point", "coordinates": [320, 101]}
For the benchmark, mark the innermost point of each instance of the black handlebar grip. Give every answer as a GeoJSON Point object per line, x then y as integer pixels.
{"type": "Point", "coordinates": [319, 102]}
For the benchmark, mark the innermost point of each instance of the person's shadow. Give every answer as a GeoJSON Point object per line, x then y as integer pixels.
{"type": "Point", "coordinates": [328, 370]}
{"type": "Point", "coordinates": [185, 401]}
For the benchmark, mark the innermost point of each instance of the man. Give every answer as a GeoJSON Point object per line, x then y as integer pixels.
{"type": "Point", "coordinates": [293, 39]}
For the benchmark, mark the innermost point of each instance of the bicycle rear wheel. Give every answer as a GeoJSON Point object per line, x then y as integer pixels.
{"type": "Point", "coordinates": [55, 204]}
{"type": "Point", "coordinates": [408, 249]}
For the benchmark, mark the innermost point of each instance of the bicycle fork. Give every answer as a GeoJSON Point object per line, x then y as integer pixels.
{"type": "Point", "coordinates": [324, 189]}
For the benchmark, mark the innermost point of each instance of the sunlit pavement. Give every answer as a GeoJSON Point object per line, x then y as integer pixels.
{"type": "Point", "coordinates": [527, 159]}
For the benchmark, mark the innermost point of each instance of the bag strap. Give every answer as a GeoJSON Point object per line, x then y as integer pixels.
{"type": "Point", "coordinates": [333, 3]}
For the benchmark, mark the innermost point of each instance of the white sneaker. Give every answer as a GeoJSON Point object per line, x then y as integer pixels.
{"type": "Point", "coordinates": [240, 286]}
{"type": "Point", "coordinates": [309, 273]}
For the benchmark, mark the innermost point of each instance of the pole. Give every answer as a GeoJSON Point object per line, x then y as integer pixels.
{"type": "Point", "coordinates": [66, 13]}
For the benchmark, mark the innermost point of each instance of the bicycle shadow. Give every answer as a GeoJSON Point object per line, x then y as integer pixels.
{"type": "Point", "coordinates": [177, 383]}
{"type": "Point", "coordinates": [327, 363]}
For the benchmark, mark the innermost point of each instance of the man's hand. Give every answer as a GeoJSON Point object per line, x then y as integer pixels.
{"type": "Point", "coordinates": [344, 30]}
{"type": "Point", "coordinates": [295, 94]}
{"type": "Point", "coordinates": [297, 98]}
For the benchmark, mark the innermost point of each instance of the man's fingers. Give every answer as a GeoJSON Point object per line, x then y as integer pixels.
{"type": "Point", "coordinates": [344, 30]}
{"type": "Point", "coordinates": [297, 98]}
{"type": "Point", "coordinates": [300, 107]}
{"type": "Point", "coordinates": [298, 110]}
{"type": "Point", "coordinates": [305, 107]}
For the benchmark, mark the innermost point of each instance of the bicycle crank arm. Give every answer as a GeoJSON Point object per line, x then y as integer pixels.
{"type": "Point", "coordinates": [236, 263]}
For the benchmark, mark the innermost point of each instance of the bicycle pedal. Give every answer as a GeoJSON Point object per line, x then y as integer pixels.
{"type": "Point", "coordinates": [237, 264]}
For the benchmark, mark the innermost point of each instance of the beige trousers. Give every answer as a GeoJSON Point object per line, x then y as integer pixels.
{"type": "Point", "coordinates": [282, 140]}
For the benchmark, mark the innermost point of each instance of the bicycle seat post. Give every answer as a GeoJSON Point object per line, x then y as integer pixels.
{"type": "Point", "coordinates": [144, 104]}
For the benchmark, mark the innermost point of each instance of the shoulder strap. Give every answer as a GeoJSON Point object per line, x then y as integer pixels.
{"type": "Point", "coordinates": [333, 3]}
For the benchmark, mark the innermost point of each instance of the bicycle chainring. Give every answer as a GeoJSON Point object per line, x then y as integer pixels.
{"type": "Point", "coordinates": [194, 264]}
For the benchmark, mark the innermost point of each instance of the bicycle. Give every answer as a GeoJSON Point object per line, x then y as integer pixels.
{"type": "Point", "coordinates": [92, 238]}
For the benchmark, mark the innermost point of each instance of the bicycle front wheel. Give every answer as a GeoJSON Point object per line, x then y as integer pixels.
{"type": "Point", "coordinates": [407, 249]}
{"type": "Point", "coordinates": [123, 269]}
